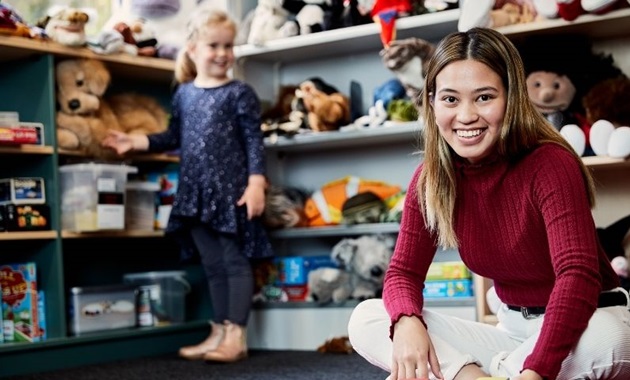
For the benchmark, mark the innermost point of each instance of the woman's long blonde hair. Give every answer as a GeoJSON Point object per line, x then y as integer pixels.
{"type": "Point", "coordinates": [185, 70]}
{"type": "Point", "coordinates": [524, 127]}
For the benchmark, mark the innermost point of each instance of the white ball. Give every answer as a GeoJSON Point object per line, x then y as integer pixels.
{"type": "Point", "coordinates": [600, 135]}
{"type": "Point", "coordinates": [575, 136]}
{"type": "Point", "coordinates": [619, 143]}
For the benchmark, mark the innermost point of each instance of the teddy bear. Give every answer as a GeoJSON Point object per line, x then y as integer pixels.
{"type": "Point", "coordinates": [85, 115]}
{"type": "Point", "coordinates": [327, 109]}
{"type": "Point", "coordinates": [66, 25]}
{"type": "Point", "coordinates": [362, 263]}
{"type": "Point", "coordinates": [168, 18]}
{"type": "Point", "coordinates": [495, 13]}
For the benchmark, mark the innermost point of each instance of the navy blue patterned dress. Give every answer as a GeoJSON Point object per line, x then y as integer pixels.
{"type": "Point", "coordinates": [218, 132]}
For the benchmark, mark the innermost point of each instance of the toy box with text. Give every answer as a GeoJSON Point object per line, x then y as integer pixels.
{"type": "Point", "coordinates": [448, 288]}
{"type": "Point", "coordinates": [285, 278]}
{"type": "Point", "coordinates": [22, 190]}
{"type": "Point", "coordinates": [168, 181]}
{"type": "Point", "coordinates": [448, 270]}
{"type": "Point", "coordinates": [24, 217]}
{"type": "Point", "coordinates": [20, 315]}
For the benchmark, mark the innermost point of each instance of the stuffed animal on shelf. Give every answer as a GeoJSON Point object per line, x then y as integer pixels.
{"type": "Point", "coordinates": [284, 207]}
{"type": "Point", "coordinates": [269, 21]}
{"type": "Point", "coordinates": [556, 85]}
{"type": "Point", "coordinates": [66, 26]}
{"type": "Point", "coordinates": [167, 18]}
{"type": "Point", "coordinates": [495, 13]}
{"type": "Point", "coordinates": [85, 115]}
{"type": "Point", "coordinates": [326, 108]}
{"type": "Point", "coordinates": [569, 10]}
{"type": "Point", "coordinates": [362, 262]}
{"type": "Point", "coordinates": [11, 24]}
{"type": "Point", "coordinates": [325, 205]}
{"type": "Point", "coordinates": [385, 13]}
{"type": "Point", "coordinates": [408, 60]}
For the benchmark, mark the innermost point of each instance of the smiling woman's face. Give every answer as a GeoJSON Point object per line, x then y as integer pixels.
{"type": "Point", "coordinates": [469, 105]}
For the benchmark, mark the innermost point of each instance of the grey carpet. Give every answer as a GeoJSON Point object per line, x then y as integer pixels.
{"type": "Point", "coordinates": [261, 365]}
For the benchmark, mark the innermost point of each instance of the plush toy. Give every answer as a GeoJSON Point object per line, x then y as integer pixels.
{"type": "Point", "coordinates": [408, 60]}
{"type": "Point", "coordinates": [325, 205]}
{"type": "Point", "coordinates": [167, 18]}
{"type": "Point", "coordinates": [556, 84]}
{"type": "Point", "coordinates": [326, 108]}
{"type": "Point", "coordinates": [338, 345]}
{"type": "Point", "coordinates": [66, 26]}
{"type": "Point", "coordinates": [385, 13]}
{"type": "Point", "coordinates": [85, 116]}
{"type": "Point", "coordinates": [362, 262]}
{"type": "Point", "coordinates": [11, 24]}
{"type": "Point", "coordinates": [284, 207]}
{"type": "Point", "coordinates": [495, 13]}
{"type": "Point", "coordinates": [269, 21]}
{"type": "Point", "coordinates": [569, 10]}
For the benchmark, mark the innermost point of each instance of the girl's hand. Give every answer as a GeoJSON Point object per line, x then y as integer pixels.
{"type": "Point", "coordinates": [123, 143]}
{"type": "Point", "coordinates": [413, 351]}
{"type": "Point", "coordinates": [254, 196]}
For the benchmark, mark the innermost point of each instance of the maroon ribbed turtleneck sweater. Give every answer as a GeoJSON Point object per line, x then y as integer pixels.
{"type": "Point", "coordinates": [528, 226]}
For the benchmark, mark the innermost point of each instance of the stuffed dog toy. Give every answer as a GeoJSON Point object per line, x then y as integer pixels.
{"type": "Point", "coordinates": [66, 26]}
{"type": "Point", "coordinates": [84, 116]}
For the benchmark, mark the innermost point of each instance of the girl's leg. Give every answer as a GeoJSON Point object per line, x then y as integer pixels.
{"type": "Point", "coordinates": [457, 342]}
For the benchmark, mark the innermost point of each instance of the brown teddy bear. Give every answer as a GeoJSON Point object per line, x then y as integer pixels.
{"type": "Point", "coordinates": [84, 116]}
{"type": "Point", "coordinates": [326, 108]}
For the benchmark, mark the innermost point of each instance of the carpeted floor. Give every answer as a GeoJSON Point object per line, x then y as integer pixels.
{"type": "Point", "coordinates": [261, 365]}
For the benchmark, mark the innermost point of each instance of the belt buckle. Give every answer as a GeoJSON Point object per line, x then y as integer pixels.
{"type": "Point", "coordinates": [525, 313]}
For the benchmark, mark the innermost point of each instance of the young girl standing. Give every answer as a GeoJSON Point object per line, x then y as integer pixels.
{"type": "Point", "coordinates": [216, 123]}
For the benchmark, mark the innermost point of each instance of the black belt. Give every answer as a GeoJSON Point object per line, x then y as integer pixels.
{"type": "Point", "coordinates": [606, 299]}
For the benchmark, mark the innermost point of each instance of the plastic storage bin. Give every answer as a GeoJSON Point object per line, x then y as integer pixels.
{"type": "Point", "coordinates": [93, 196]}
{"type": "Point", "coordinates": [100, 308]}
{"type": "Point", "coordinates": [140, 205]}
{"type": "Point", "coordinates": [167, 290]}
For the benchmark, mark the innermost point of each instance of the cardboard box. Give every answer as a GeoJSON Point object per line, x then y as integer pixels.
{"type": "Point", "coordinates": [448, 270]}
{"type": "Point", "coordinates": [167, 182]}
{"type": "Point", "coordinates": [22, 190]}
{"type": "Point", "coordinates": [293, 270]}
{"type": "Point", "coordinates": [101, 308]}
{"type": "Point", "coordinates": [25, 217]}
{"type": "Point", "coordinates": [20, 315]}
{"type": "Point", "coordinates": [447, 288]}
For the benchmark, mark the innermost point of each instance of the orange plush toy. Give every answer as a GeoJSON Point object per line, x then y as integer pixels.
{"type": "Point", "coordinates": [324, 207]}
{"type": "Point", "coordinates": [326, 108]}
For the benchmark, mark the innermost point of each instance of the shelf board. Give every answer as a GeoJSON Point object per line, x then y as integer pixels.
{"type": "Point", "coordinates": [26, 149]}
{"type": "Point", "coordinates": [350, 40]}
{"type": "Point", "coordinates": [604, 162]}
{"type": "Point", "coordinates": [14, 48]}
{"type": "Point", "coordinates": [396, 132]}
{"type": "Point", "coordinates": [610, 25]}
{"type": "Point", "coordinates": [341, 230]}
{"type": "Point", "coordinates": [28, 235]}
{"type": "Point", "coordinates": [100, 336]}
{"type": "Point", "coordinates": [111, 234]}
{"type": "Point", "coordinates": [139, 157]}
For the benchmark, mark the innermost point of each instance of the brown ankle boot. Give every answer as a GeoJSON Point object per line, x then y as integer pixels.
{"type": "Point", "coordinates": [217, 333]}
{"type": "Point", "coordinates": [232, 348]}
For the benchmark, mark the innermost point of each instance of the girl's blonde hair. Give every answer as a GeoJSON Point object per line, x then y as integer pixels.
{"type": "Point", "coordinates": [185, 70]}
{"type": "Point", "coordinates": [524, 128]}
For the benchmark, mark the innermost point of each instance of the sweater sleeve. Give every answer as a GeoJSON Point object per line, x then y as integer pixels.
{"type": "Point", "coordinates": [559, 191]}
{"type": "Point", "coordinates": [248, 111]}
{"type": "Point", "coordinates": [171, 138]}
{"type": "Point", "coordinates": [414, 252]}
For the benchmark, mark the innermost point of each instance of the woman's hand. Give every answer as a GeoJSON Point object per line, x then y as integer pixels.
{"type": "Point", "coordinates": [413, 351]}
{"type": "Point", "coordinates": [254, 196]}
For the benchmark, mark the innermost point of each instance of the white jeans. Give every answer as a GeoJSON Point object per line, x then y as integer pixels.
{"type": "Point", "coordinates": [603, 351]}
